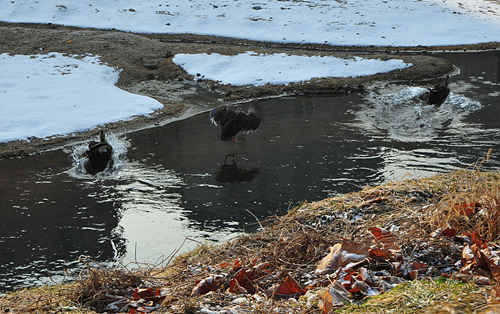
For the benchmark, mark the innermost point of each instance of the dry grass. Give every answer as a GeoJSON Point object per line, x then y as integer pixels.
{"type": "Point", "coordinates": [472, 202]}
{"type": "Point", "coordinates": [293, 244]}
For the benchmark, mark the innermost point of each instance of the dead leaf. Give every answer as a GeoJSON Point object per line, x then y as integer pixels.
{"type": "Point", "coordinates": [342, 254]}
{"type": "Point", "coordinates": [476, 239]}
{"type": "Point", "coordinates": [148, 294]}
{"type": "Point", "coordinates": [204, 286]}
{"type": "Point", "coordinates": [479, 257]}
{"type": "Point", "coordinates": [335, 295]}
{"type": "Point", "coordinates": [289, 288]}
{"type": "Point", "coordinates": [449, 232]}
{"type": "Point", "coordinates": [241, 283]}
{"type": "Point", "coordinates": [467, 254]}
{"type": "Point", "coordinates": [365, 275]}
{"type": "Point", "coordinates": [379, 253]}
{"type": "Point", "coordinates": [383, 235]}
{"type": "Point", "coordinates": [326, 303]}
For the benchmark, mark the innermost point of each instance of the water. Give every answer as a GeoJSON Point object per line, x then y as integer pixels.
{"type": "Point", "coordinates": [179, 181]}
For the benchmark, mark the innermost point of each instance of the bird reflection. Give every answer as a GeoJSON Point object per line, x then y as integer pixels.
{"type": "Point", "coordinates": [232, 173]}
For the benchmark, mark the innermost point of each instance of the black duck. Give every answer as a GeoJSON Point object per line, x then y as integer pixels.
{"type": "Point", "coordinates": [439, 93]}
{"type": "Point", "coordinates": [99, 155]}
{"type": "Point", "coordinates": [233, 122]}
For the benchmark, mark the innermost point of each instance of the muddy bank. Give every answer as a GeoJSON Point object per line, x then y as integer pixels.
{"type": "Point", "coordinates": [147, 69]}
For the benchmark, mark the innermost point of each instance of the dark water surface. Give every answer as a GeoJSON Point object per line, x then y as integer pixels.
{"type": "Point", "coordinates": [179, 180]}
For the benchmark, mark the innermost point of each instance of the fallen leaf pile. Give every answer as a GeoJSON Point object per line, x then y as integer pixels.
{"type": "Point", "coordinates": [326, 254]}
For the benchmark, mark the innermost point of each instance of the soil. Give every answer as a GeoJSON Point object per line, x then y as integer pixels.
{"type": "Point", "coordinates": [147, 69]}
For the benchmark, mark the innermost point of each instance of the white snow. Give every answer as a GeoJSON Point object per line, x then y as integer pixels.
{"type": "Point", "coordinates": [334, 22]}
{"type": "Point", "coordinates": [279, 68]}
{"type": "Point", "coordinates": [42, 96]}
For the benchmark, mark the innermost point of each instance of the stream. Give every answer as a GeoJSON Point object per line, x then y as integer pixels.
{"type": "Point", "coordinates": [175, 186]}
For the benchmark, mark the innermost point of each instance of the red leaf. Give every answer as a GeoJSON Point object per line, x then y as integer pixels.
{"type": "Point", "coordinates": [356, 293]}
{"type": "Point", "coordinates": [421, 267]}
{"type": "Point", "coordinates": [244, 277]}
{"type": "Point", "coordinates": [476, 238]}
{"type": "Point", "coordinates": [466, 209]}
{"type": "Point", "coordinates": [204, 286]}
{"type": "Point", "coordinates": [148, 294]}
{"type": "Point", "coordinates": [383, 235]}
{"type": "Point", "coordinates": [242, 280]}
{"type": "Point", "coordinates": [348, 276]}
{"type": "Point", "coordinates": [290, 286]}
{"type": "Point", "coordinates": [237, 265]}
{"type": "Point", "coordinates": [374, 253]}
{"type": "Point", "coordinates": [449, 232]}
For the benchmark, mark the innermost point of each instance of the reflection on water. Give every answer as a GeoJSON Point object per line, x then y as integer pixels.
{"type": "Point", "coordinates": [231, 173]}
{"type": "Point", "coordinates": [179, 180]}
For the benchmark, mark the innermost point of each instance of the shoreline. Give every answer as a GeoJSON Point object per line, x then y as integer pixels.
{"type": "Point", "coordinates": [147, 69]}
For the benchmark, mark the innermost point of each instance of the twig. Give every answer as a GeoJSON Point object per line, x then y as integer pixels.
{"type": "Point", "coordinates": [255, 218]}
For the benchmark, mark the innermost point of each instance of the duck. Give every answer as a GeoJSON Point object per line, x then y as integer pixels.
{"type": "Point", "coordinates": [439, 93]}
{"type": "Point", "coordinates": [99, 154]}
{"type": "Point", "coordinates": [232, 122]}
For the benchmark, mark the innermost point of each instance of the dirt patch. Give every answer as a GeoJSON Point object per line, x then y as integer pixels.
{"type": "Point", "coordinates": [147, 69]}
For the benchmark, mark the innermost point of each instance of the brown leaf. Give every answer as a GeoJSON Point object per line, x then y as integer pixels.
{"type": "Point", "coordinates": [335, 295]}
{"type": "Point", "coordinates": [342, 254]}
{"type": "Point", "coordinates": [326, 303]}
{"type": "Point", "coordinates": [495, 291]}
{"type": "Point", "coordinates": [479, 257]}
{"type": "Point", "coordinates": [204, 286]}
{"type": "Point", "coordinates": [476, 239]}
{"type": "Point", "coordinates": [492, 266]}
{"type": "Point", "coordinates": [242, 280]}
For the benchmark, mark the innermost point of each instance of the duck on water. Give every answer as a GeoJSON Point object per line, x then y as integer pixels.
{"type": "Point", "coordinates": [99, 155]}
{"type": "Point", "coordinates": [233, 122]}
{"type": "Point", "coordinates": [439, 93]}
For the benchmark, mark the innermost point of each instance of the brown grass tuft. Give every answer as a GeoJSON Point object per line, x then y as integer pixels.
{"type": "Point", "coordinates": [471, 203]}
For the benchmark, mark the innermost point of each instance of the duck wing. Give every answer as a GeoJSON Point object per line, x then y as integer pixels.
{"type": "Point", "coordinates": [247, 123]}
{"type": "Point", "coordinates": [221, 116]}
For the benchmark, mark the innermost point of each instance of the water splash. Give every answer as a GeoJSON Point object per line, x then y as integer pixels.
{"type": "Point", "coordinates": [79, 155]}
{"type": "Point", "coordinates": [402, 111]}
